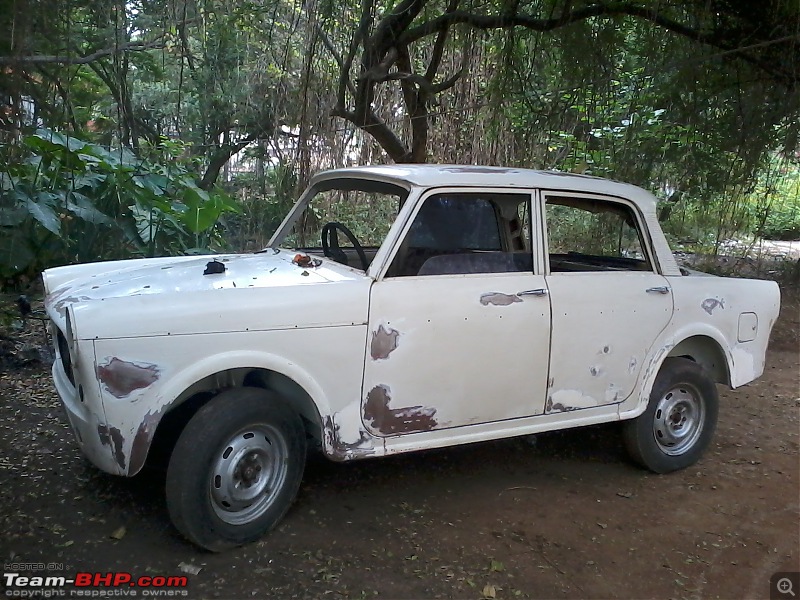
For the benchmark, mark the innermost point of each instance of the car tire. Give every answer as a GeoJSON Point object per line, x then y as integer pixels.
{"type": "Point", "coordinates": [680, 419]}
{"type": "Point", "coordinates": [235, 469]}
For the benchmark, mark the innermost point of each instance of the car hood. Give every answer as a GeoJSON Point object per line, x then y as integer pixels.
{"type": "Point", "coordinates": [190, 286]}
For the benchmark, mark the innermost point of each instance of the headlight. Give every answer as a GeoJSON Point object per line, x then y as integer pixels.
{"type": "Point", "coordinates": [71, 335]}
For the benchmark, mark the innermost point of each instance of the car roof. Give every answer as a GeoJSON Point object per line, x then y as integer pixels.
{"type": "Point", "coordinates": [431, 175]}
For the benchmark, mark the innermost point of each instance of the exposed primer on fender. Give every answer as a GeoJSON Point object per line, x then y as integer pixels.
{"type": "Point", "coordinates": [340, 449]}
{"type": "Point", "coordinates": [111, 436]}
{"type": "Point", "coordinates": [121, 377]}
{"type": "Point", "coordinates": [141, 441]}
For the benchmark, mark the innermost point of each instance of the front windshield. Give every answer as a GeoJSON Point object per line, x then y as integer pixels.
{"type": "Point", "coordinates": [365, 208]}
{"type": "Point", "coordinates": [344, 219]}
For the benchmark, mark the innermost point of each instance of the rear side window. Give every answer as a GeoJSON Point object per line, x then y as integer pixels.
{"type": "Point", "coordinates": [588, 234]}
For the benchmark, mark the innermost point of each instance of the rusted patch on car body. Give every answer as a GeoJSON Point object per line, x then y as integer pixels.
{"type": "Point", "coordinates": [53, 297]}
{"type": "Point", "coordinates": [341, 450]}
{"type": "Point", "coordinates": [111, 436]}
{"type": "Point", "coordinates": [141, 441]}
{"type": "Point", "coordinates": [499, 299]}
{"type": "Point", "coordinates": [709, 304]}
{"type": "Point", "coordinates": [396, 420]}
{"type": "Point", "coordinates": [121, 377]}
{"type": "Point", "coordinates": [384, 342]}
{"type": "Point", "coordinates": [306, 261]}
{"type": "Point", "coordinates": [551, 407]}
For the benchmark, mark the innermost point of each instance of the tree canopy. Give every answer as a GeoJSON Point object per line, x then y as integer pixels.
{"type": "Point", "coordinates": [695, 99]}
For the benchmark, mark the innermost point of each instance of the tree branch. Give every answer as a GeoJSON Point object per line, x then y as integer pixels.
{"type": "Point", "coordinates": [438, 46]}
{"type": "Point", "coordinates": [158, 43]}
{"type": "Point", "coordinates": [610, 9]}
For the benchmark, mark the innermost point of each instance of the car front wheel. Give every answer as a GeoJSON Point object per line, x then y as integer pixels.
{"type": "Point", "coordinates": [235, 469]}
{"type": "Point", "coordinates": [679, 422]}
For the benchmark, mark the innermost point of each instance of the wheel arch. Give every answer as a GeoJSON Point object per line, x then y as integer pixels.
{"type": "Point", "coordinates": [708, 353]}
{"type": "Point", "coordinates": [704, 346]}
{"type": "Point", "coordinates": [190, 389]}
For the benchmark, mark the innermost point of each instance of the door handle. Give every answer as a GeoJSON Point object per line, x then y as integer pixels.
{"type": "Point", "coordinates": [537, 292]}
{"type": "Point", "coordinates": [660, 289]}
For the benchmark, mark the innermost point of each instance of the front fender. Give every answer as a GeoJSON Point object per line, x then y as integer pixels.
{"type": "Point", "coordinates": [139, 386]}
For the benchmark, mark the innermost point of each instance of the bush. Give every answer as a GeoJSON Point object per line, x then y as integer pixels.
{"type": "Point", "coordinates": [68, 201]}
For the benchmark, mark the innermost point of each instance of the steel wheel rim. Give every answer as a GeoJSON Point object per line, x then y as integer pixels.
{"type": "Point", "coordinates": [678, 419]}
{"type": "Point", "coordinates": [247, 474]}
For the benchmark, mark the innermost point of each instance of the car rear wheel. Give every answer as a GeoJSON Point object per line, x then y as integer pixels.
{"type": "Point", "coordinates": [235, 469]}
{"type": "Point", "coordinates": [679, 422]}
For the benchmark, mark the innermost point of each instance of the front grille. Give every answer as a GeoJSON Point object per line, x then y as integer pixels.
{"type": "Point", "coordinates": [66, 359]}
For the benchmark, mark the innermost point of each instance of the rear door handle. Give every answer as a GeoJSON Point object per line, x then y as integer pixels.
{"type": "Point", "coordinates": [537, 292]}
{"type": "Point", "coordinates": [660, 289]}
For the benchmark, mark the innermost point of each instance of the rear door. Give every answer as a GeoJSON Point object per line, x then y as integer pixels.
{"type": "Point", "coordinates": [608, 302]}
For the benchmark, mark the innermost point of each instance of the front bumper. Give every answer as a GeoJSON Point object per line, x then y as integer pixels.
{"type": "Point", "coordinates": [88, 423]}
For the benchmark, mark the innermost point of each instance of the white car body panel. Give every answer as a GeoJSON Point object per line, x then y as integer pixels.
{"type": "Point", "coordinates": [601, 334]}
{"type": "Point", "coordinates": [454, 358]}
{"type": "Point", "coordinates": [423, 330]}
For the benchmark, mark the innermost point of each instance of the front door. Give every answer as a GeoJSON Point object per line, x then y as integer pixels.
{"type": "Point", "coordinates": [460, 324]}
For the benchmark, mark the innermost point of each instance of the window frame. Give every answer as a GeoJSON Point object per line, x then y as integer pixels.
{"type": "Point", "coordinates": [643, 232]}
{"type": "Point", "coordinates": [419, 200]}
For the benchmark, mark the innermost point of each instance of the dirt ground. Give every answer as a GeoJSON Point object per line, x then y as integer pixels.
{"type": "Point", "coordinates": [564, 516]}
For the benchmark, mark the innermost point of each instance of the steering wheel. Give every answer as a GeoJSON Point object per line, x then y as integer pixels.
{"type": "Point", "coordinates": [330, 244]}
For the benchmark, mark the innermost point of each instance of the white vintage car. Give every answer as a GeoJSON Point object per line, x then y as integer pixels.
{"type": "Point", "coordinates": [467, 304]}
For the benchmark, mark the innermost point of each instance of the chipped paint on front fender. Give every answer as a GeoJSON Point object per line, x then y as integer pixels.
{"type": "Point", "coordinates": [144, 436]}
{"type": "Point", "coordinates": [122, 377]}
{"type": "Point", "coordinates": [112, 437]}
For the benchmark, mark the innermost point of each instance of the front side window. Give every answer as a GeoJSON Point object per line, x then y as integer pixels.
{"type": "Point", "coordinates": [588, 234]}
{"type": "Point", "coordinates": [462, 233]}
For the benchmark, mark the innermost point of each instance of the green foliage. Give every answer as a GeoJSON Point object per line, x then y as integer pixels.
{"type": "Point", "coordinates": [66, 200]}
{"type": "Point", "coordinates": [780, 219]}
{"type": "Point", "coordinates": [265, 200]}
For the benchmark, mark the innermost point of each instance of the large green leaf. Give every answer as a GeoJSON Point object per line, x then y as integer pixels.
{"type": "Point", "coordinates": [72, 144]}
{"type": "Point", "coordinates": [201, 213]}
{"type": "Point", "coordinates": [43, 212]}
{"type": "Point", "coordinates": [153, 182]}
{"type": "Point", "coordinates": [83, 208]}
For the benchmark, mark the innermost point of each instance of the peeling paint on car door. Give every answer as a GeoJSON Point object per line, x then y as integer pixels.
{"type": "Point", "coordinates": [609, 305]}
{"type": "Point", "coordinates": [603, 327]}
{"type": "Point", "coordinates": [459, 333]}
{"type": "Point", "coordinates": [451, 350]}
